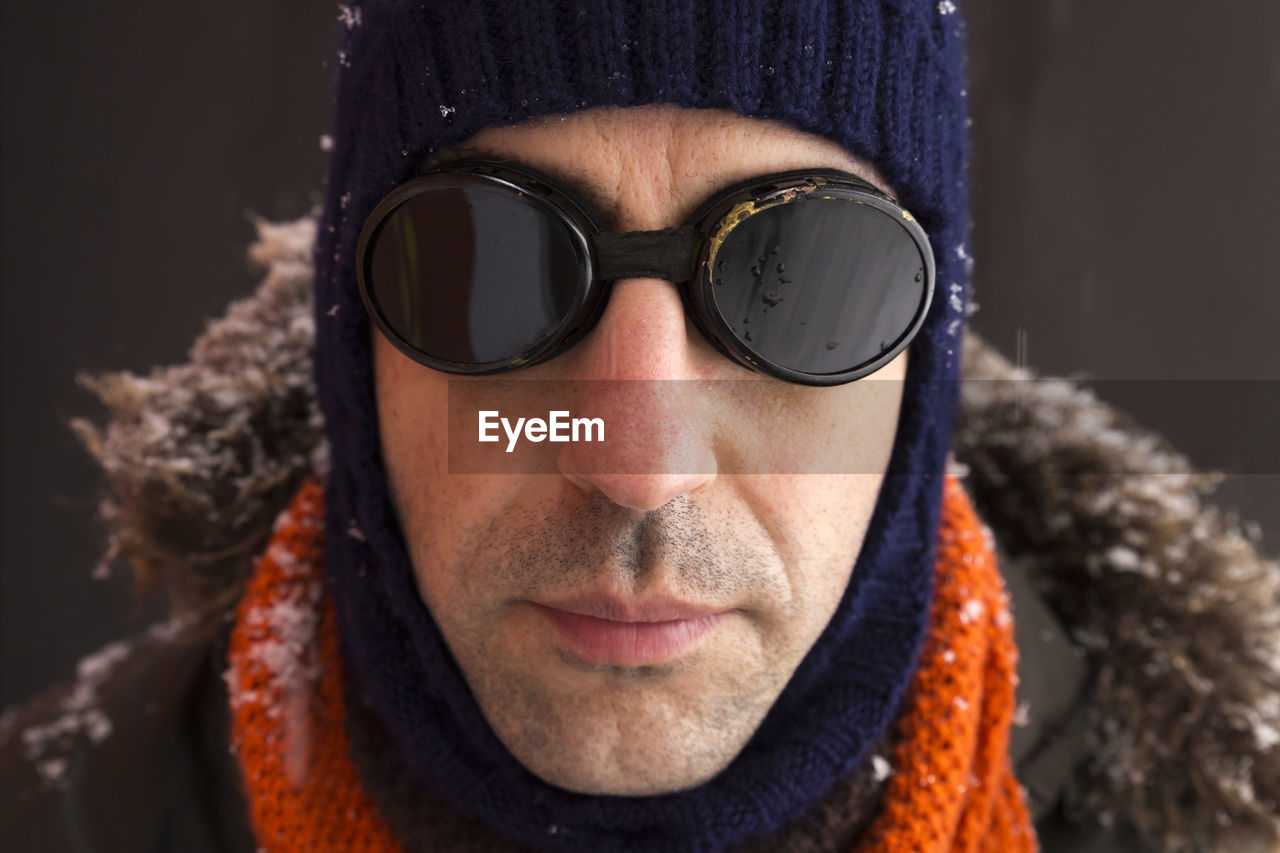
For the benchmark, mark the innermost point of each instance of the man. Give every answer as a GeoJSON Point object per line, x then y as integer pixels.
{"type": "Point", "coordinates": [761, 615]}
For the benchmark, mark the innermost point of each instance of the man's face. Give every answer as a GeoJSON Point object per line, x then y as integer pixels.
{"type": "Point", "coordinates": [626, 633]}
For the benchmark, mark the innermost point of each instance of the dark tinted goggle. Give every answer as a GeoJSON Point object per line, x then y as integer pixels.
{"type": "Point", "coordinates": [479, 267]}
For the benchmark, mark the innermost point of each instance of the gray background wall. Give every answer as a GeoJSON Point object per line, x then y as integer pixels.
{"type": "Point", "coordinates": [1123, 182]}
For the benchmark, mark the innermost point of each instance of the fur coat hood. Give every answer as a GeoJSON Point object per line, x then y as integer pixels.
{"type": "Point", "coordinates": [1165, 599]}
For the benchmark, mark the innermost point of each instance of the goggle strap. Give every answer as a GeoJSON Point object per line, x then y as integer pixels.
{"type": "Point", "coordinates": [669, 254]}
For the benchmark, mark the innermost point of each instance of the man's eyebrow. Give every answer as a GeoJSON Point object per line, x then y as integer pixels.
{"type": "Point", "coordinates": [585, 193]}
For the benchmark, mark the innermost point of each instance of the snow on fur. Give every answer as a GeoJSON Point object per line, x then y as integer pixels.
{"type": "Point", "coordinates": [1168, 596]}
{"type": "Point", "coordinates": [200, 457]}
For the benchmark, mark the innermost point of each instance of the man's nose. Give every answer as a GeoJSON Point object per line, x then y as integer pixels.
{"type": "Point", "coordinates": [644, 376]}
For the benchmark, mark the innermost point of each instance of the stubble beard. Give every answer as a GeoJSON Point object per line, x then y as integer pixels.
{"type": "Point", "coordinates": [636, 730]}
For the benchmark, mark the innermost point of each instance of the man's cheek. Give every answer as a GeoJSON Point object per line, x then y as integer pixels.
{"type": "Point", "coordinates": [768, 428]}
{"type": "Point", "coordinates": [817, 524]}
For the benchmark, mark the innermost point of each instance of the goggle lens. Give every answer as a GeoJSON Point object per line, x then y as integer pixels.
{"type": "Point", "coordinates": [473, 275]}
{"type": "Point", "coordinates": [820, 285]}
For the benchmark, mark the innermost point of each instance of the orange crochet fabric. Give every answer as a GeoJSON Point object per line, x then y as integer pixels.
{"type": "Point", "coordinates": [287, 707]}
{"type": "Point", "coordinates": [953, 789]}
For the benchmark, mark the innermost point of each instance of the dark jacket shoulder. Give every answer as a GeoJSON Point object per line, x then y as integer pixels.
{"type": "Point", "coordinates": [131, 755]}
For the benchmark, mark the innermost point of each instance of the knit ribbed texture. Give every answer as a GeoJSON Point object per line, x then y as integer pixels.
{"type": "Point", "coordinates": [952, 790]}
{"type": "Point", "coordinates": [284, 684]}
{"type": "Point", "coordinates": [881, 78]}
{"type": "Point", "coordinates": [423, 823]}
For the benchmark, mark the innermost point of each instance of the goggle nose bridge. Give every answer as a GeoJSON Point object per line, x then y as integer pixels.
{"type": "Point", "coordinates": [670, 254]}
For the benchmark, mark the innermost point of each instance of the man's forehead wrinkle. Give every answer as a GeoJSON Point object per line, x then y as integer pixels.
{"type": "Point", "coordinates": [611, 194]}
{"type": "Point", "coordinates": [652, 164]}
{"type": "Point", "coordinates": [668, 139]}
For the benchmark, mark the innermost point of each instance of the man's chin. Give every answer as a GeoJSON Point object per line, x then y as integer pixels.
{"type": "Point", "coordinates": [623, 731]}
{"type": "Point", "coordinates": [630, 756]}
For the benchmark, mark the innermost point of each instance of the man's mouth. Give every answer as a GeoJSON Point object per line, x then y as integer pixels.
{"type": "Point", "coordinates": [609, 631]}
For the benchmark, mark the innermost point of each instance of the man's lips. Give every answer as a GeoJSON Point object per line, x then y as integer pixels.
{"type": "Point", "coordinates": [606, 630]}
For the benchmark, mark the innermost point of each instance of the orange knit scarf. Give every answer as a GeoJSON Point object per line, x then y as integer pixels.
{"type": "Point", "coordinates": [952, 791]}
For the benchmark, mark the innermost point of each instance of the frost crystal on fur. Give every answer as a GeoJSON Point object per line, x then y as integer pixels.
{"type": "Point", "coordinates": [201, 456]}
{"type": "Point", "coordinates": [1169, 598]}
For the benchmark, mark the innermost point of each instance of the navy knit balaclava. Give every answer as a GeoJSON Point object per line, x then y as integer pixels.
{"type": "Point", "coordinates": [883, 78]}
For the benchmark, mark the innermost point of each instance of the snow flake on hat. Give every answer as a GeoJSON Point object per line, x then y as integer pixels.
{"type": "Point", "coordinates": [956, 304]}
{"type": "Point", "coordinates": [350, 16]}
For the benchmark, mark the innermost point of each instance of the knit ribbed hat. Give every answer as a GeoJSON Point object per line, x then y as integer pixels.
{"type": "Point", "coordinates": [883, 78]}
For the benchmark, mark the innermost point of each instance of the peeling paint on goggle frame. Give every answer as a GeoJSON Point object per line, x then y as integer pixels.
{"type": "Point", "coordinates": [480, 267]}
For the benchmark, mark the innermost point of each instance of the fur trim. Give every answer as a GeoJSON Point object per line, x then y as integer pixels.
{"type": "Point", "coordinates": [1172, 602]}
{"type": "Point", "coordinates": [201, 457]}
